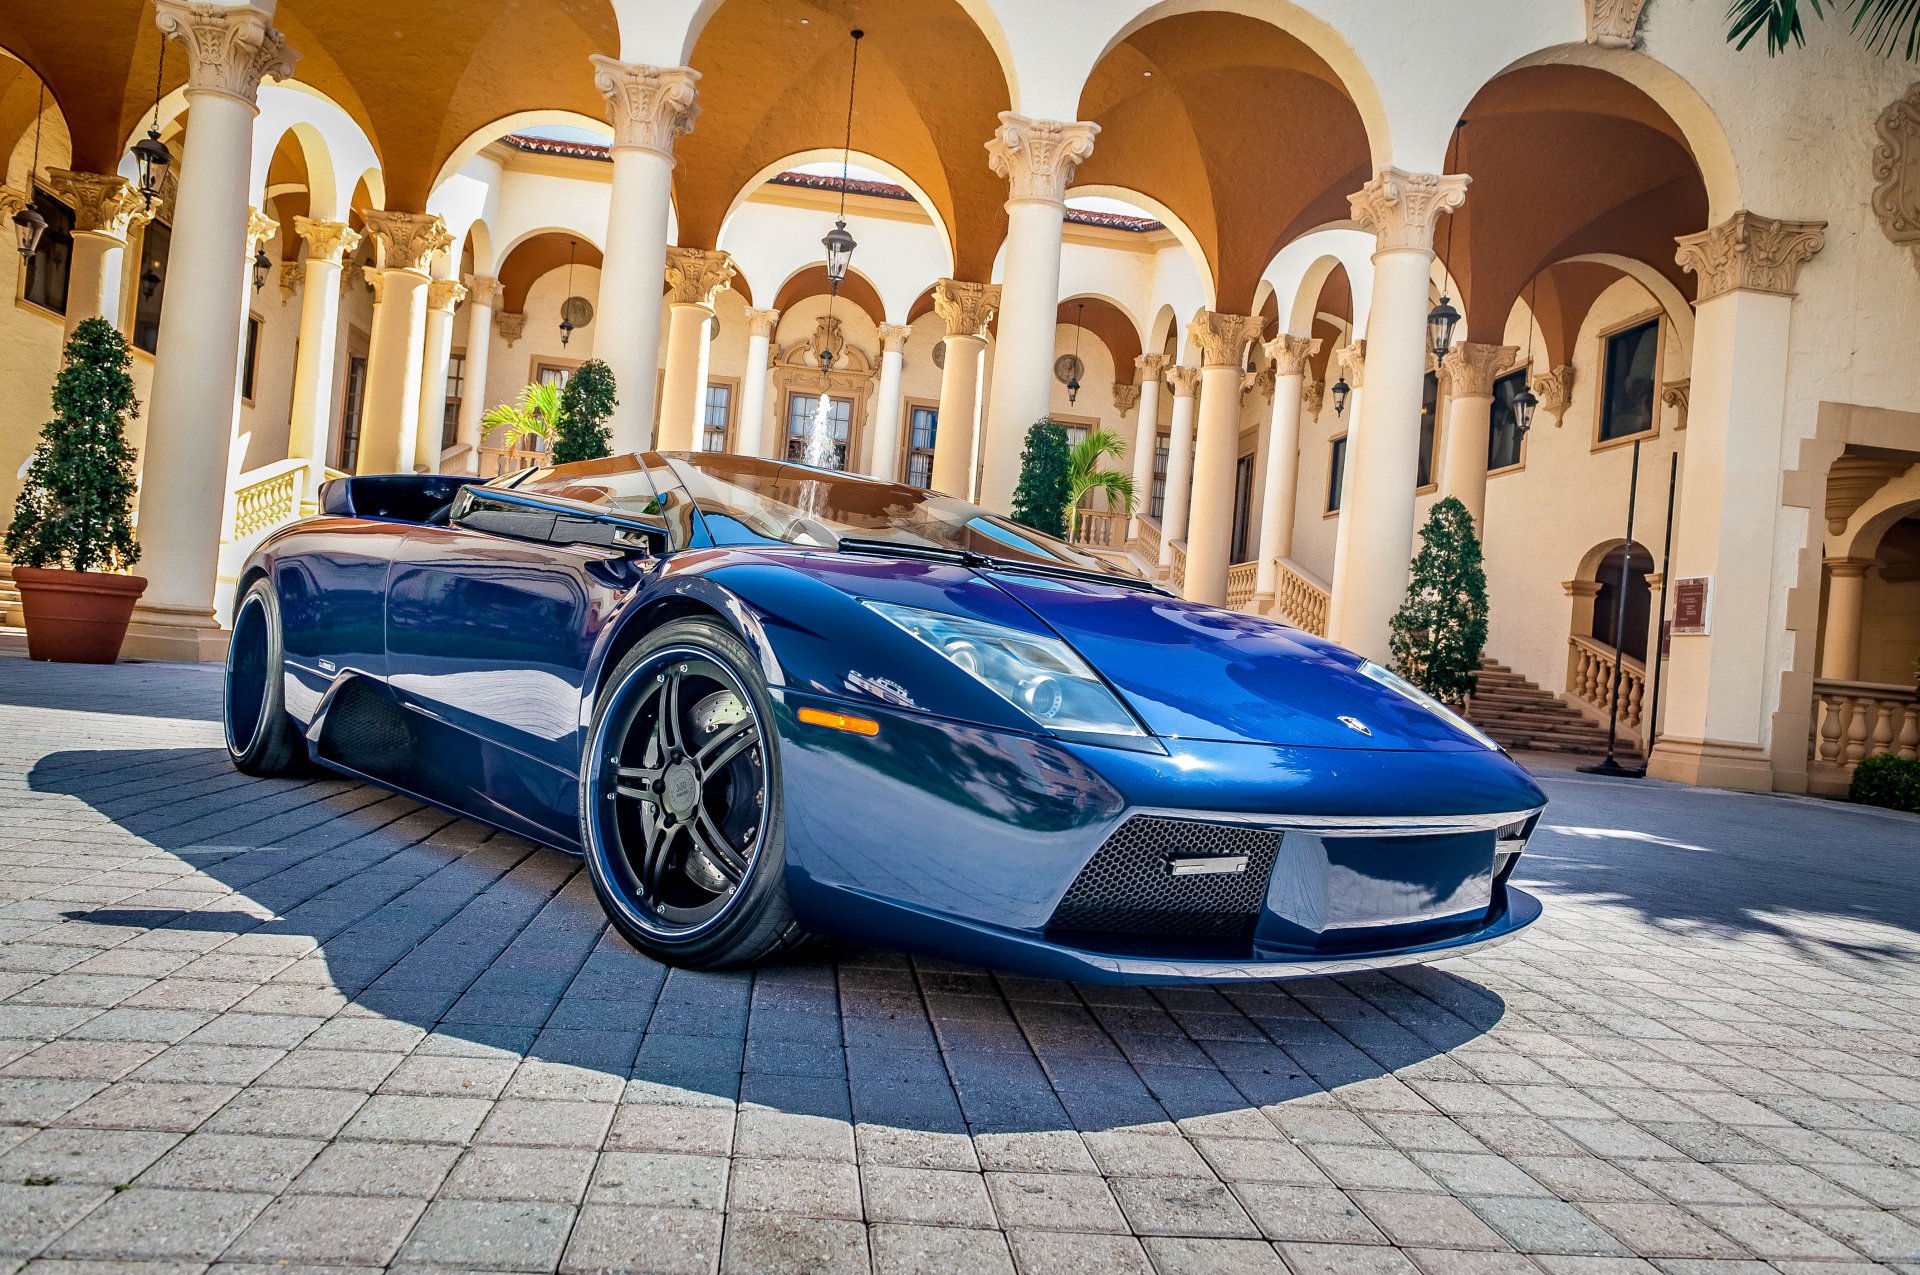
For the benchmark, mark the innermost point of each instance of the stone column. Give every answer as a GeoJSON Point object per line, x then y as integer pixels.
{"type": "Point", "coordinates": [313, 365]}
{"type": "Point", "coordinates": [1173, 511]}
{"type": "Point", "coordinates": [1467, 373]}
{"type": "Point", "coordinates": [887, 404]}
{"type": "Point", "coordinates": [1038, 158]}
{"type": "Point", "coordinates": [649, 106]}
{"type": "Point", "coordinates": [1846, 607]}
{"type": "Point", "coordinates": [1725, 683]}
{"type": "Point", "coordinates": [1375, 540]}
{"type": "Point", "coordinates": [105, 209]}
{"type": "Point", "coordinates": [192, 403]}
{"type": "Point", "coordinates": [1280, 485]}
{"type": "Point", "coordinates": [484, 293]}
{"type": "Point", "coordinates": [1148, 370]}
{"type": "Point", "coordinates": [443, 298]}
{"type": "Point", "coordinates": [1222, 340]}
{"type": "Point", "coordinates": [967, 308]}
{"type": "Point", "coordinates": [396, 345]}
{"type": "Point", "coordinates": [695, 277]}
{"type": "Point", "coordinates": [752, 438]}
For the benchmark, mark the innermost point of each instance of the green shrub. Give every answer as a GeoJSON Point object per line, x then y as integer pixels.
{"type": "Point", "coordinates": [584, 407]}
{"type": "Point", "coordinates": [1441, 630]}
{"type": "Point", "coordinates": [1046, 479]}
{"type": "Point", "coordinates": [1888, 781]}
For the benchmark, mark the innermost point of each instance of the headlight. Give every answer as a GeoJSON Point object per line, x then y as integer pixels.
{"type": "Point", "coordinates": [1393, 681]}
{"type": "Point", "coordinates": [1041, 676]}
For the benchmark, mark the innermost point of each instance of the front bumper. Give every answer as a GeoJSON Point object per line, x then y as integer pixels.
{"type": "Point", "coordinates": [1067, 861]}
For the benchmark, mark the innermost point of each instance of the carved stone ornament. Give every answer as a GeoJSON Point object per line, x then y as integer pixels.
{"type": "Point", "coordinates": [291, 273]}
{"type": "Point", "coordinates": [326, 240]}
{"type": "Point", "coordinates": [102, 205]}
{"type": "Point", "coordinates": [893, 336]}
{"type": "Point", "coordinates": [1852, 481]}
{"type": "Point", "coordinates": [407, 241]}
{"type": "Point", "coordinates": [1038, 157]}
{"type": "Point", "coordinates": [446, 294]}
{"type": "Point", "coordinates": [353, 272]}
{"type": "Point", "coordinates": [1470, 367]}
{"type": "Point", "coordinates": [1183, 380]}
{"type": "Point", "coordinates": [11, 202]}
{"type": "Point", "coordinates": [1402, 208]}
{"type": "Point", "coordinates": [230, 48]}
{"type": "Point", "coordinates": [967, 308]}
{"type": "Point", "coordinates": [1614, 24]}
{"type": "Point", "coordinates": [1312, 395]}
{"type": "Point", "coordinates": [828, 338]}
{"type": "Point", "coordinates": [695, 276]}
{"type": "Point", "coordinates": [484, 290]}
{"type": "Point", "coordinates": [1126, 396]}
{"type": "Point", "coordinates": [1223, 338]}
{"type": "Point", "coordinates": [1555, 391]}
{"type": "Point", "coordinates": [1751, 253]}
{"type": "Point", "coordinates": [1896, 172]}
{"type": "Point", "coordinates": [261, 230]}
{"type": "Point", "coordinates": [1351, 361]}
{"type": "Point", "coordinates": [762, 322]}
{"type": "Point", "coordinates": [1291, 354]}
{"type": "Point", "coordinates": [510, 325]}
{"type": "Point", "coordinates": [1150, 367]}
{"type": "Point", "coordinates": [1675, 395]}
{"type": "Point", "coordinates": [1265, 381]}
{"type": "Point", "coordinates": [648, 106]}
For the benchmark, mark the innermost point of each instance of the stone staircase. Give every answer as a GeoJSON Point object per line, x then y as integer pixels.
{"type": "Point", "coordinates": [1520, 715]}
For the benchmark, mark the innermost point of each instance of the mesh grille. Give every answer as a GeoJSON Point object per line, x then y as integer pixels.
{"type": "Point", "coordinates": [366, 730]}
{"type": "Point", "coordinates": [1129, 888]}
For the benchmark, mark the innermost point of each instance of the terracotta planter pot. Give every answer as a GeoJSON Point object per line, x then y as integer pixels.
{"type": "Point", "coordinates": [76, 617]}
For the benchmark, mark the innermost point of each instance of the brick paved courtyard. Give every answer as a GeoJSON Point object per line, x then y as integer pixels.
{"type": "Point", "coordinates": [307, 1023]}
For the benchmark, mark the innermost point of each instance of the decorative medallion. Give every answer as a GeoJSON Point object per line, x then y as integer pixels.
{"type": "Point", "coordinates": [1896, 170]}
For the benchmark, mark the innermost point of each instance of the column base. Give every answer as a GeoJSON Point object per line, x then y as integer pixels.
{"type": "Point", "coordinates": [1260, 604]}
{"type": "Point", "coordinates": [188, 635]}
{"type": "Point", "coordinates": [1712, 763]}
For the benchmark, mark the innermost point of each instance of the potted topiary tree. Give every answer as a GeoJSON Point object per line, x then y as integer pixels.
{"type": "Point", "coordinates": [71, 538]}
{"type": "Point", "coordinates": [1441, 630]}
{"type": "Point", "coordinates": [1046, 479]}
{"type": "Point", "coordinates": [584, 407]}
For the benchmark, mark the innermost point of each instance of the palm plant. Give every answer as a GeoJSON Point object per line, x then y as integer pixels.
{"type": "Point", "coordinates": [1887, 26]}
{"type": "Point", "coordinates": [536, 412]}
{"type": "Point", "coordinates": [1085, 475]}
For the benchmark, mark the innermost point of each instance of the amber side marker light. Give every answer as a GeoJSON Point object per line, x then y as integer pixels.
{"type": "Point", "coordinates": [839, 721]}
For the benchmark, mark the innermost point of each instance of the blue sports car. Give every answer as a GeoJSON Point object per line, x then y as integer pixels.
{"type": "Point", "coordinates": [766, 701]}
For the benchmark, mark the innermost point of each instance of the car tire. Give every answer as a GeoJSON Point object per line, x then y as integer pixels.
{"type": "Point", "coordinates": [261, 738]}
{"type": "Point", "coordinates": [644, 836]}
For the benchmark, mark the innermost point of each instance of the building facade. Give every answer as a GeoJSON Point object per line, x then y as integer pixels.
{"type": "Point", "coordinates": [1215, 229]}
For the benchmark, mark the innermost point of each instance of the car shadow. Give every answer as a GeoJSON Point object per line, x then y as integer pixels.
{"type": "Point", "coordinates": [486, 940]}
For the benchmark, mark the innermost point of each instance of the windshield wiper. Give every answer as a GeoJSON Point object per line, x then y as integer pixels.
{"type": "Point", "coordinates": [978, 561]}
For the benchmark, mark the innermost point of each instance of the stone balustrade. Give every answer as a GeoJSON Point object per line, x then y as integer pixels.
{"type": "Point", "coordinates": [1241, 578]}
{"type": "Point", "coordinates": [1590, 685]}
{"type": "Point", "coordinates": [1852, 720]}
{"type": "Point", "coordinates": [1096, 530]}
{"type": "Point", "coordinates": [1300, 598]}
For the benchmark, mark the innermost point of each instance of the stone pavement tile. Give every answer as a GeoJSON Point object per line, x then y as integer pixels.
{"type": "Point", "coordinates": [436, 1075]}
{"type": "Point", "coordinates": [1770, 1232]}
{"type": "Point", "coordinates": [1583, 1177]}
{"type": "Point", "coordinates": [83, 1059]}
{"type": "Point", "coordinates": [1790, 1185]}
{"type": "Point", "coordinates": [1306, 1213]}
{"type": "Point", "coordinates": [557, 1175]}
{"type": "Point", "coordinates": [310, 1067]}
{"type": "Point", "coordinates": [938, 1250]}
{"type": "Point", "coordinates": [297, 1113]}
{"type": "Point", "coordinates": [401, 1118]}
{"type": "Point", "coordinates": [1544, 1226]}
{"type": "Point", "coordinates": [1415, 1220]}
{"type": "Point", "coordinates": [1046, 1252]}
{"type": "Point", "coordinates": [413, 1170]}
{"type": "Point", "coordinates": [1058, 1151]}
{"type": "Point", "coordinates": [688, 1130]}
{"type": "Point", "coordinates": [801, 1188]}
{"type": "Point", "coordinates": [785, 1135]}
{"type": "Point", "coordinates": [61, 1266]}
{"type": "Point", "coordinates": [517, 1122]}
{"type": "Point", "coordinates": [1145, 1155]}
{"type": "Point", "coordinates": [232, 1162]}
{"type": "Point", "coordinates": [929, 1197]}
{"type": "Point", "coordinates": [135, 1104]}
{"type": "Point", "coordinates": [1345, 1259]}
{"type": "Point", "coordinates": [106, 1156]}
{"type": "Point", "coordinates": [1882, 1185]}
{"type": "Point", "coordinates": [210, 1064]}
{"type": "Point", "coordinates": [1685, 1182]}
{"type": "Point", "coordinates": [1379, 1168]}
{"type": "Point", "coordinates": [327, 1229]}
{"type": "Point", "coordinates": [152, 1224]}
{"type": "Point", "coordinates": [1662, 1230]}
{"type": "Point", "coordinates": [1181, 1206]}
{"type": "Point", "coordinates": [1480, 1174]}
{"type": "Point", "coordinates": [618, 1240]}
{"type": "Point", "coordinates": [1055, 1202]}
{"type": "Point", "coordinates": [36, 1214]}
{"type": "Point", "coordinates": [647, 1180]}
{"type": "Point", "coordinates": [489, 1235]}
{"type": "Point", "coordinates": [1260, 1160]}
{"type": "Point", "coordinates": [756, 1243]}
{"type": "Point", "coordinates": [1881, 1236]}
{"type": "Point", "coordinates": [1453, 1261]}
{"type": "Point", "coordinates": [915, 1148]}
{"type": "Point", "coordinates": [1195, 1256]}
{"type": "Point", "coordinates": [566, 1082]}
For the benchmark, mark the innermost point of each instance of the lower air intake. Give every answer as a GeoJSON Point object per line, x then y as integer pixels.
{"type": "Point", "coordinates": [1157, 878]}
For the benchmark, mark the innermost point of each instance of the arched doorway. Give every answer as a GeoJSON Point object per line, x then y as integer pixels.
{"type": "Point", "coordinates": [1608, 625]}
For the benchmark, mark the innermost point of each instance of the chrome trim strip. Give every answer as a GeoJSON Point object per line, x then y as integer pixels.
{"type": "Point", "coordinates": [1348, 825]}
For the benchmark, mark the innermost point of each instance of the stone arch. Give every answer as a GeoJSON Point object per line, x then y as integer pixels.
{"type": "Point", "coordinates": [811, 280]}
{"type": "Point", "coordinates": [1299, 272]}
{"type": "Point", "coordinates": [859, 159]}
{"type": "Point", "coordinates": [21, 108]}
{"type": "Point", "coordinates": [478, 248]}
{"type": "Point", "coordinates": [1166, 326]}
{"type": "Point", "coordinates": [537, 254]}
{"type": "Point", "coordinates": [1107, 321]}
{"type": "Point", "coordinates": [1178, 228]}
{"type": "Point", "coordinates": [514, 122]}
{"type": "Point", "coordinates": [1595, 589]}
{"type": "Point", "coordinates": [1898, 500]}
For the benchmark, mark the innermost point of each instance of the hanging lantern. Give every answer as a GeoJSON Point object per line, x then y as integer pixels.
{"type": "Point", "coordinates": [1340, 391]}
{"type": "Point", "coordinates": [1440, 322]}
{"type": "Point", "coordinates": [150, 156]}
{"type": "Point", "coordinates": [1523, 404]}
{"type": "Point", "coordinates": [262, 266]}
{"type": "Point", "coordinates": [839, 245]}
{"type": "Point", "coordinates": [150, 281]}
{"type": "Point", "coordinates": [28, 226]}
{"type": "Point", "coordinates": [566, 312]}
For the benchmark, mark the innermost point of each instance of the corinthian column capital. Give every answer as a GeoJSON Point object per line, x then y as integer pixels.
{"type": "Point", "coordinates": [648, 106]}
{"type": "Point", "coordinates": [230, 48]}
{"type": "Point", "coordinates": [762, 322]}
{"type": "Point", "coordinates": [1470, 366]}
{"type": "Point", "coordinates": [407, 241]}
{"type": "Point", "coordinates": [1290, 354]}
{"type": "Point", "coordinates": [967, 308]}
{"type": "Point", "coordinates": [102, 204]}
{"type": "Point", "coordinates": [446, 295]}
{"type": "Point", "coordinates": [695, 276]}
{"type": "Point", "coordinates": [260, 229]}
{"type": "Point", "coordinates": [1184, 381]}
{"type": "Point", "coordinates": [1038, 157]}
{"type": "Point", "coordinates": [484, 290]}
{"type": "Point", "coordinates": [1223, 338]}
{"type": "Point", "coordinates": [1402, 208]}
{"type": "Point", "coordinates": [893, 336]}
{"type": "Point", "coordinates": [1150, 367]}
{"type": "Point", "coordinates": [326, 240]}
{"type": "Point", "coordinates": [1351, 359]}
{"type": "Point", "coordinates": [1751, 253]}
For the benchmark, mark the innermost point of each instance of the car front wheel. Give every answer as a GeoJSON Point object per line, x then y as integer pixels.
{"type": "Point", "coordinates": [261, 738]}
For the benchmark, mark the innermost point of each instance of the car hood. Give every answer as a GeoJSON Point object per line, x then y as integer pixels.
{"type": "Point", "coordinates": [1203, 673]}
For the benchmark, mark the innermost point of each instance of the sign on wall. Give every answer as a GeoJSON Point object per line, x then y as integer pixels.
{"type": "Point", "coordinates": [1692, 605]}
